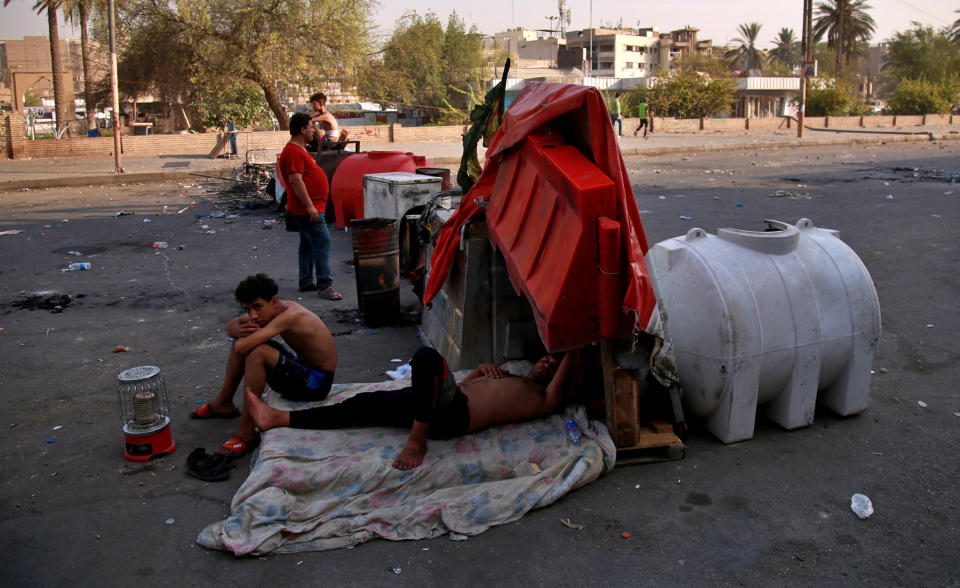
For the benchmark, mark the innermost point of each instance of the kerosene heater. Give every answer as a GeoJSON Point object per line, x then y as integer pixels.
{"type": "Point", "coordinates": [144, 408]}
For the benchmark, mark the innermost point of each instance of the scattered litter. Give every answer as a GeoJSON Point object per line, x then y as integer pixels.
{"type": "Point", "coordinates": [930, 326]}
{"type": "Point", "coordinates": [739, 204]}
{"type": "Point", "coordinates": [170, 521]}
{"type": "Point", "coordinates": [123, 213]}
{"type": "Point", "coordinates": [569, 525]}
{"type": "Point", "coordinates": [861, 505]}
{"type": "Point", "coordinates": [77, 266]}
{"type": "Point", "coordinates": [121, 349]}
{"type": "Point", "coordinates": [795, 195]}
{"type": "Point", "coordinates": [58, 427]}
{"type": "Point", "coordinates": [889, 196]}
{"type": "Point", "coordinates": [956, 414]}
{"type": "Point", "coordinates": [662, 197]}
{"type": "Point", "coordinates": [51, 440]}
{"type": "Point", "coordinates": [886, 183]}
{"type": "Point", "coordinates": [269, 222]}
{"type": "Point", "coordinates": [883, 370]}
{"type": "Point", "coordinates": [12, 232]}
{"type": "Point", "coordinates": [402, 372]}
{"type": "Point", "coordinates": [625, 534]}
{"type": "Point", "coordinates": [184, 209]}
{"type": "Point", "coordinates": [210, 232]}
{"type": "Point", "coordinates": [396, 360]}
{"type": "Point", "coordinates": [146, 220]}
{"type": "Point", "coordinates": [300, 562]}
{"type": "Point", "coordinates": [948, 193]}
{"type": "Point", "coordinates": [921, 404]}
{"type": "Point", "coordinates": [77, 253]}
{"type": "Point", "coordinates": [457, 537]}
{"type": "Point", "coordinates": [683, 217]}
{"type": "Point", "coordinates": [396, 570]}
{"type": "Point", "coordinates": [204, 227]}
{"type": "Point", "coordinates": [159, 244]}
{"type": "Point", "coordinates": [254, 248]}
{"type": "Point", "coordinates": [218, 214]}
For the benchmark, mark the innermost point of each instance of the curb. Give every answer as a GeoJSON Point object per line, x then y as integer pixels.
{"type": "Point", "coordinates": [160, 177]}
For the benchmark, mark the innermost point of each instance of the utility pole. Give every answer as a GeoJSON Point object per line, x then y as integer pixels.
{"type": "Point", "coordinates": [590, 51]}
{"type": "Point", "coordinates": [807, 51]}
{"type": "Point", "coordinates": [114, 86]}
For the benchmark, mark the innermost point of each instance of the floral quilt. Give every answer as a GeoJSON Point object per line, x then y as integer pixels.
{"type": "Point", "coordinates": [312, 490]}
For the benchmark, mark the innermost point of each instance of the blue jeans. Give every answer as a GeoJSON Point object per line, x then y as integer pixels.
{"type": "Point", "coordinates": [314, 252]}
{"type": "Point", "coordinates": [615, 120]}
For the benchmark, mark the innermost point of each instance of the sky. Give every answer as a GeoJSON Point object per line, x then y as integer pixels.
{"type": "Point", "coordinates": [716, 20]}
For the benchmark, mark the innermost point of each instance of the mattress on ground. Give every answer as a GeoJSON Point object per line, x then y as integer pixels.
{"type": "Point", "coordinates": [311, 490]}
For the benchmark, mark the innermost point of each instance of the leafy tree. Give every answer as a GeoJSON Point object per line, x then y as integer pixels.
{"type": "Point", "coordinates": [688, 96]}
{"type": "Point", "coordinates": [921, 54]}
{"type": "Point", "coordinates": [274, 44]}
{"type": "Point", "coordinates": [747, 56]}
{"type": "Point", "coordinates": [846, 25]}
{"type": "Point", "coordinates": [923, 68]}
{"type": "Point", "coordinates": [923, 97]}
{"type": "Point", "coordinates": [691, 63]}
{"type": "Point", "coordinates": [242, 102]}
{"type": "Point", "coordinates": [786, 50]}
{"type": "Point", "coordinates": [837, 98]}
{"type": "Point", "coordinates": [426, 65]}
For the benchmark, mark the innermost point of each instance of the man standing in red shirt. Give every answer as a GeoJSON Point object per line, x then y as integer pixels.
{"type": "Point", "coordinates": [307, 190]}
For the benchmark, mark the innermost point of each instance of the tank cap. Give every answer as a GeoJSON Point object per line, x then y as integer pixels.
{"type": "Point", "coordinates": [804, 223]}
{"type": "Point", "coordinates": [696, 233]}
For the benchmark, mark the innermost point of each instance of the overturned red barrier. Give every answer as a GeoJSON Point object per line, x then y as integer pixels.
{"type": "Point", "coordinates": [553, 175]}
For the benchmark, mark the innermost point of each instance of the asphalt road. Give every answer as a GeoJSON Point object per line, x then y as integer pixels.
{"type": "Point", "coordinates": [770, 511]}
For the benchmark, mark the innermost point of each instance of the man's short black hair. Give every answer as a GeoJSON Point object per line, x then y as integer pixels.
{"type": "Point", "coordinates": [319, 97]}
{"type": "Point", "coordinates": [258, 286]}
{"type": "Point", "coordinates": [297, 122]}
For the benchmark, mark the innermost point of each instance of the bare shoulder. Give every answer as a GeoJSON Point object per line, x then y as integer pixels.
{"type": "Point", "coordinates": [294, 312]}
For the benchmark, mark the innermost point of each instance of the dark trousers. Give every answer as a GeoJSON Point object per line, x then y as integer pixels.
{"type": "Point", "coordinates": [397, 408]}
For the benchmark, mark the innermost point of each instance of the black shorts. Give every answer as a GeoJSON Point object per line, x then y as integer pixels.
{"type": "Point", "coordinates": [452, 420]}
{"type": "Point", "coordinates": [294, 380]}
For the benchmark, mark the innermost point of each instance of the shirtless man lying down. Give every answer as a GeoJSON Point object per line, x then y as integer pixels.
{"type": "Point", "coordinates": [435, 406]}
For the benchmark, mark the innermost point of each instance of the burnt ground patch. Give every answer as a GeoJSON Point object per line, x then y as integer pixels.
{"type": "Point", "coordinates": [52, 301]}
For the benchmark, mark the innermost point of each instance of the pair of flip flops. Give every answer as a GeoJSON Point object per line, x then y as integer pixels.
{"type": "Point", "coordinates": [215, 467]}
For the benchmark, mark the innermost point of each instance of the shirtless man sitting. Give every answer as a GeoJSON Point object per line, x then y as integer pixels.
{"type": "Point", "coordinates": [328, 123]}
{"type": "Point", "coordinates": [434, 406]}
{"type": "Point", "coordinates": [258, 360]}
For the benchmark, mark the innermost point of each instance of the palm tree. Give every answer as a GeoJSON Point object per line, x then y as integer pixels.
{"type": "Point", "coordinates": [77, 12]}
{"type": "Point", "coordinates": [955, 30]}
{"type": "Point", "coordinates": [846, 24]}
{"type": "Point", "coordinates": [747, 56]}
{"type": "Point", "coordinates": [786, 48]}
{"type": "Point", "coordinates": [62, 93]}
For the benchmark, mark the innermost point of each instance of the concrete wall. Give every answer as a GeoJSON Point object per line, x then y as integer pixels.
{"type": "Point", "coordinates": [880, 120]}
{"type": "Point", "coordinates": [13, 145]}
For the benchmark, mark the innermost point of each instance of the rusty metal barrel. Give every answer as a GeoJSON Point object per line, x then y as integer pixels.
{"type": "Point", "coordinates": [376, 257]}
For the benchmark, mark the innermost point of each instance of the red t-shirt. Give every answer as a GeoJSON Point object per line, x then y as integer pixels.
{"type": "Point", "coordinates": [295, 159]}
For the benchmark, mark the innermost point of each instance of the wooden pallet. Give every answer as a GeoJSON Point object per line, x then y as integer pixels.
{"type": "Point", "coordinates": [656, 442]}
{"type": "Point", "coordinates": [636, 442]}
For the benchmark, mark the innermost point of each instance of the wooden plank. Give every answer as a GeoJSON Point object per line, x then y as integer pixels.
{"type": "Point", "coordinates": [628, 408]}
{"type": "Point", "coordinates": [609, 388]}
{"type": "Point", "coordinates": [222, 139]}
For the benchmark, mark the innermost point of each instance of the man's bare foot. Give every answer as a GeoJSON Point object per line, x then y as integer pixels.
{"type": "Point", "coordinates": [266, 417]}
{"type": "Point", "coordinates": [411, 456]}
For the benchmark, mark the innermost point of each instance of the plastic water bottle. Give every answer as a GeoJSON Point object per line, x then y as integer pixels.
{"type": "Point", "coordinates": [159, 244]}
{"type": "Point", "coordinates": [861, 505]}
{"type": "Point", "coordinates": [78, 266]}
{"type": "Point", "coordinates": [573, 432]}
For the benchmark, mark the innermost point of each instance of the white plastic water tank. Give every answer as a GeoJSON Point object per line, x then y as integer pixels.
{"type": "Point", "coordinates": [392, 194]}
{"type": "Point", "coordinates": [767, 318]}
